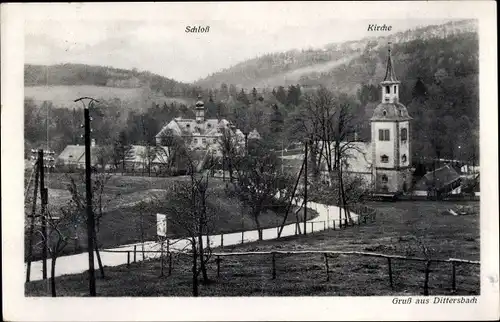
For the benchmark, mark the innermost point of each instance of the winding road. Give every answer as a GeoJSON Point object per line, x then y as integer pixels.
{"type": "Point", "coordinates": [78, 263]}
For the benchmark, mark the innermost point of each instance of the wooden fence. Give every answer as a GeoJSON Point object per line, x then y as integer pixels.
{"type": "Point", "coordinates": [326, 255]}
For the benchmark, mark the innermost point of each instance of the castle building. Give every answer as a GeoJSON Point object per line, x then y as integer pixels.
{"type": "Point", "coordinates": [390, 135]}
{"type": "Point", "coordinates": [202, 133]}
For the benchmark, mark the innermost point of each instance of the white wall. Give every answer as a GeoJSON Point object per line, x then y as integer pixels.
{"type": "Point", "coordinates": [383, 147]}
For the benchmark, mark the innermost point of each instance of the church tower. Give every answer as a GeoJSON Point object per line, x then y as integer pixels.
{"type": "Point", "coordinates": [390, 125]}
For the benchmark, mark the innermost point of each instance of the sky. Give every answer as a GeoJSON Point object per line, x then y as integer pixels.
{"type": "Point", "coordinates": [153, 37]}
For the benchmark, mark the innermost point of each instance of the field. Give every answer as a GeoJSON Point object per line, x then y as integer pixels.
{"type": "Point", "coordinates": [397, 230]}
{"type": "Point", "coordinates": [122, 221]}
{"type": "Point", "coordinates": [63, 96]}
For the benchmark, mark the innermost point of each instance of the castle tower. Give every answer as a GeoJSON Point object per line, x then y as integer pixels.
{"type": "Point", "coordinates": [390, 125]}
{"type": "Point", "coordinates": [200, 110]}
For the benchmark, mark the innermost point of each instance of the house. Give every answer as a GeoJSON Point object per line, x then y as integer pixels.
{"type": "Point", "coordinates": [74, 156]}
{"type": "Point", "coordinates": [138, 157]}
{"type": "Point", "coordinates": [442, 180]}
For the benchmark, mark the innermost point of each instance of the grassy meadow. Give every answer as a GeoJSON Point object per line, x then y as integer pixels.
{"type": "Point", "coordinates": [398, 229]}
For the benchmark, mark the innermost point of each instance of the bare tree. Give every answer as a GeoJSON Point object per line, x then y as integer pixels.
{"type": "Point", "coordinates": [231, 148]}
{"type": "Point", "coordinates": [58, 236]}
{"type": "Point", "coordinates": [192, 214]}
{"type": "Point", "coordinates": [328, 126]}
{"type": "Point", "coordinates": [261, 183]}
{"type": "Point", "coordinates": [100, 200]}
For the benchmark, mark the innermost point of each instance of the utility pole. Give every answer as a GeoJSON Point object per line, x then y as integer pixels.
{"type": "Point", "coordinates": [43, 198]}
{"type": "Point", "coordinates": [88, 185]}
{"type": "Point", "coordinates": [32, 220]}
{"type": "Point", "coordinates": [305, 188]}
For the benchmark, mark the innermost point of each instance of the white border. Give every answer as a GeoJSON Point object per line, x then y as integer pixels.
{"type": "Point", "coordinates": [17, 307]}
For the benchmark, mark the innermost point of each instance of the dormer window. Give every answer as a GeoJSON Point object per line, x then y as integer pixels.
{"type": "Point", "coordinates": [384, 159]}
{"type": "Point", "coordinates": [385, 112]}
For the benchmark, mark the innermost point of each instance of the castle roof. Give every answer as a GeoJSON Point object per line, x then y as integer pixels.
{"type": "Point", "coordinates": [390, 112]}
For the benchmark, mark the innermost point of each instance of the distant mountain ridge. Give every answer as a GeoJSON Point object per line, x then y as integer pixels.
{"type": "Point", "coordinates": [307, 67]}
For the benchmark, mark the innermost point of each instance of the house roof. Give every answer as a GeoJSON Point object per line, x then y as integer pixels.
{"type": "Point", "coordinates": [181, 126]}
{"type": "Point", "coordinates": [442, 176]}
{"type": "Point", "coordinates": [76, 154]}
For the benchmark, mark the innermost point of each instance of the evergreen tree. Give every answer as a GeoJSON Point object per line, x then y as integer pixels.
{"type": "Point", "coordinates": [242, 97]}
{"type": "Point", "coordinates": [281, 95]}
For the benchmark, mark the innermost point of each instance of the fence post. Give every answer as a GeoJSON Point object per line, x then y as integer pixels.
{"type": "Point", "coordinates": [161, 259]}
{"type": "Point", "coordinates": [274, 266]}
{"type": "Point", "coordinates": [327, 268]}
{"type": "Point", "coordinates": [208, 241]}
{"type": "Point", "coordinates": [135, 253]}
{"type": "Point", "coordinates": [128, 258]}
{"type": "Point", "coordinates": [334, 224]}
{"type": "Point", "coordinates": [390, 272]}
{"type": "Point", "coordinates": [364, 219]}
{"type": "Point", "coordinates": [453, 277]}
{"type": "Point", "coordinates": [312, 226]}
{"type": "Point", "coordinates": [426, 282]}
{"type": "Point", "coordinates": [242, 232]}
{"type": "Point", "coordinates": [277, 231]}
{"type": "Point", "coordinates": [169, 264]}
{"type": "Point", "coordinates": [324, 225]}
{"type": "Point", "coordinates": [218, 266]}
{"type": "Point", "coordinates": [221, 240]}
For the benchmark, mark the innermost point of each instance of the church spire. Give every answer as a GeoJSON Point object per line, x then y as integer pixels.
{"type": "Point", "coordinates": [390, 76]}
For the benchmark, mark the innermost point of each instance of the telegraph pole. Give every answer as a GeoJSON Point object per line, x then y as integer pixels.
{"type": "Point", "coordinates": [43, 197]}
{"type": "Point", "coordinates": [88, 186]}
{"type": "Point", "coordinates": [305, 188]}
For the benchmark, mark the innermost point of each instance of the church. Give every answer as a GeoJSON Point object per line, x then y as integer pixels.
{"type": "Point", "coordinates": [390, 146]}
{"type": "Point", "coordinates": [385, 162]}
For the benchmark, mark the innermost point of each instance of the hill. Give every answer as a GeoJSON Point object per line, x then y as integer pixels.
{"type": "Point", "coordinates": [62, 83]}
{"type": "Point", "coordinates": [324, 66]}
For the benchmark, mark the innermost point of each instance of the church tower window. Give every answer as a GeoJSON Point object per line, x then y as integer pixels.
{"type": "Point", "coordinates": [384, 135]}
{"type": "Point", "coordinates": [404, 134]}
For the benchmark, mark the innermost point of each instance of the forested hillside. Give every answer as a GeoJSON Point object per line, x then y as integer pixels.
{"type": "Point", "coordinates": [439, 85]}
{"type": "Point", "coordinates": [314, 67]}
{"type": "Point", "coordinates": [80, 74]}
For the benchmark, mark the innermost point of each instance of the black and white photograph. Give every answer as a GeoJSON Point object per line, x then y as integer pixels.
{"type": "Point", "coordinates": [244, 150]}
